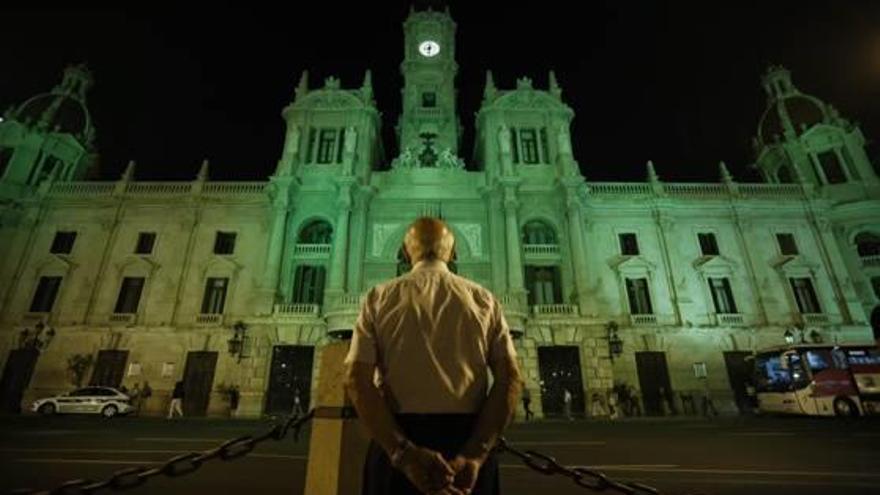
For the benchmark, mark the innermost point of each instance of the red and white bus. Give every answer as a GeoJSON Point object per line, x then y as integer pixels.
{"type": "Point", "coordinates": [818, 380]}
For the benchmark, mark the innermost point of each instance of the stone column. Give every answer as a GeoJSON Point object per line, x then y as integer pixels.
{"type": "Point", "coordinates": [359, 240]}
{"type": "Point", "coordinates": [337, 447]}
{"type": "Point", "coordinates": [338, 265]}
{"type": "Point", "coordinates": [515, 284]}
{"type": "Point", "coordinates": [277, 235]}
{"type": "Point", "coordinates": [576, 245]}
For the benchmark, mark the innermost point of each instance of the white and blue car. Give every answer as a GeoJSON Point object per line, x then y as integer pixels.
{"type": "Point", "coordinates": [106, 401]}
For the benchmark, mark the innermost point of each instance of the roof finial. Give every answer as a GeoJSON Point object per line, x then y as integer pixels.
{"type": "Point", "coordinates": [303, 87]}
{"type": "Point", "coordinates": [367, 86]}
{"type": "Point", "coordinates": [652, 174]}
{"type": "Point", "coordinates": [128, 173]}
{"type": "Point", "coordinates": [489, 91]}
{"type": "Point", "coordinates": [555, 90]}
{"type": "Point", "coordinates": [202, 176]}
{"type": "Point", "coordinates": [725, 174]}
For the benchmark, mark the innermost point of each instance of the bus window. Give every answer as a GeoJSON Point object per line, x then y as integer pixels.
{"type": "Point", "coordinates": [770, 376]}
{"type": "Point", "coordinates": [818, 360]}
{"type": "Point", "coordinates": [863, 356]}
{"type": "Point", "coordinates": [799, 376]}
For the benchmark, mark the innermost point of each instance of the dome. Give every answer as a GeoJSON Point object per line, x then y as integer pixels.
{"type": "Point", "coordinates": [61, 112]}
{"type": "Point", "coordinates": [802, 111]}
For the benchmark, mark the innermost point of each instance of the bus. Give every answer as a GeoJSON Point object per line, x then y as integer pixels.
{"type": "Point", "coordinates": [818, 380]}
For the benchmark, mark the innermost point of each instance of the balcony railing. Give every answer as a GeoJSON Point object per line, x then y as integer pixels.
{"type": "Point", "coordinates": [871, 261]}
{"type": "Point", "coordinates": [351, 300]}
{"type": "Point", "coordinates": [643, 319]}
{"type": "Point", "coordinates": [312, 250]}
{"type": "Point", "coordinates": [296, 309]}
{"type": "Point", "coordinates": [730, 319]}
{"type": "Point", "coordinates": [815, 318]}
{"type": "Point", "coordinates": [554, 310]}
{"type": "Point", "coordinates": [210, 319]}
{"type": "Point", "coordinates": [125, 318]}
{"type": "Point", "coordinates": [541, 249]}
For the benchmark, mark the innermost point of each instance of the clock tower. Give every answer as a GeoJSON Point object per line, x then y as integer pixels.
{"type": "Point", "coordinates": [428, 128]}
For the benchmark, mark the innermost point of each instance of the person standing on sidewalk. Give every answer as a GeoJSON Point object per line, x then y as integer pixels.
{"type": "Point", "coordinates": [527, 401]}
{"type": "Point", "coordinates": [176, 400]}
{"type": "Point", "coordinates": [566, 404]}
{"type": "Point", "coordinates": [297, 404]}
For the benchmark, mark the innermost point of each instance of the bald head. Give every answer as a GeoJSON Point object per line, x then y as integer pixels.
{"type": "Point", "coordinates": [429, 239]}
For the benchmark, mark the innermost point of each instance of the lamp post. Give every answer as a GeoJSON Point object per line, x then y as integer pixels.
{"type": "Point", "coordinates": [615, 344]}
{"type": "Point", "coordinates": [236, 343]}
{"type": "Point", "coordinates": [27, 340]}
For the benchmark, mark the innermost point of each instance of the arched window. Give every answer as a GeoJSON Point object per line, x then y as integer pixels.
{"type": "Point", "coordinates": [868, 244]}
{"type": "Point", "coordinates": [316, 232]}
{"type": "Point", "coordinates": [538, 232]}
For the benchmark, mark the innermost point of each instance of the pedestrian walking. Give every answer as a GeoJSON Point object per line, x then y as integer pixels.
{"type": "Point", "coordinates": [527, 401]}
{"type": "Point", "coordinates": [146, 393]}
{"type": "Point", "coordinates": [135, 397]}
{"type": "Point", "coordinates": [176, 400]}
{"type": "Point", "coordinates": [566, 404]}
{"type": "Point", "coordinates": [297, 404]}
{"type": "Point", "coordinates": [433, 336]}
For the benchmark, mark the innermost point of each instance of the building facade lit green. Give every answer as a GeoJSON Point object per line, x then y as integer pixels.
{"type": "Point", "coordinates": [152, 278]}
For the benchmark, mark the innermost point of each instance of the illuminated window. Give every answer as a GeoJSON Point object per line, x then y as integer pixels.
{"type": "Point", "coordinates": [529, 142]}
{"type": "Point", "coordinates": [326, 143]}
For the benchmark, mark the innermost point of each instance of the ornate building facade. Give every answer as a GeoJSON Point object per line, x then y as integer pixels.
{"type": "Point", "coordinates": [665, 287]}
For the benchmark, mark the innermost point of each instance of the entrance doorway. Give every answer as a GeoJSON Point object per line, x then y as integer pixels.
{"type": "Point", "coordinates": [654, 382]}
{"type": "Point", "coordinates": [198, 378]}
{"type": "Point", "coordinates": [17, 374]}
{"type": "Point", "coordinates": [291, 374]}
{"type": "Point", "coordinates": [739, 373]}
{"type": "Point", "coordinates": [109, 368]}
{"type": "Point", "coordinates": [560, 369]}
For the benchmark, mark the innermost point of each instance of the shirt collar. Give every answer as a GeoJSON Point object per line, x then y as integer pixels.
{"type": "Point", "coordinates": [431, 266]}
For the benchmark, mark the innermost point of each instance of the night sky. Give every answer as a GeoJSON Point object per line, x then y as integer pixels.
{"type": "Point", "coordinates": [677, 82]}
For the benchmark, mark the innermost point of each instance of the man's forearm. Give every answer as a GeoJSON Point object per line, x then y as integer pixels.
{"type": "Point", "coordinates": [496, 414]}
{"type": "Point", "coordinates": [375, 415]}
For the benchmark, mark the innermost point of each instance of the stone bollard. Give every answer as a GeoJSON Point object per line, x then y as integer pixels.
{"type": "Point", "coordinates": [338, 446]}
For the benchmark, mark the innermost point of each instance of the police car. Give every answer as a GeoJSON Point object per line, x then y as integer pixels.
{"type": "Point", "coordinates": [106, 401]}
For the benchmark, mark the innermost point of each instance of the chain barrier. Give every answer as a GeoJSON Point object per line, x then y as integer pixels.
{"type": "Point", "coordinates": [235, 448]}
{"type": "Point", "coordinates": [179, 465]}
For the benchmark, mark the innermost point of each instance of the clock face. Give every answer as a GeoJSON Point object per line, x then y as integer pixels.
{"type": "Point", "coordinates": [429, 48]}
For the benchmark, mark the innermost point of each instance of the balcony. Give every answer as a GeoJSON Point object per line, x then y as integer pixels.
{"type": "Point", "coordinates": [641, 320]}
{"type": "Point", "coordinates": [297, 309]}
{"type": "Point", "coordinates": [122, 318]}
{"type": "Point", "coordinates": [871, 261]}
{"type": "Point", "coordinates": [312, 250]}
{"type": "Point", "coordinates": [541, 250]}
{"type": "Point", "coordinates": [210, 319]}
{"type": "Point", "coordinates": [729, 319]}
{"type": "Point", "coordinates": [554, 310]}
{"type": "Point", "coordinates": [815, 319]}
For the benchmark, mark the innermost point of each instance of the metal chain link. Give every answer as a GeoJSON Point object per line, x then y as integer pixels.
{"type": "Point", "coordinates": [179, 465]}
{"type": "Point", "coordinates": [184, 464]}
{"type": "Point", "coordinates": [582, 476]}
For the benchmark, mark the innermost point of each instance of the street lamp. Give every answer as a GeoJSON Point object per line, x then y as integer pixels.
{"type": "Point", "coordinates": [236, 343]}
{"type": "Point", "coordinates": [615, 344]}
{"type": "Point", "coordinates": [37, 341]}
{"type": "Point", "coordinates": [789, 336]}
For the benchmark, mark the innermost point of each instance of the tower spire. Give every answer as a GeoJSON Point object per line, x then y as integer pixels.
{"type": "Point", "coordinates": [302, 88]}
{"type": "Point", "coordinates": [555, 90]}
{"type": "Point", "coordinates": [489, 91]}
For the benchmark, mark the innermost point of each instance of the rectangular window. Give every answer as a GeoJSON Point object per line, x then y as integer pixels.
{"type": "Point", "coordinates": [544, 285]}
{"type": "Point", "coordinates": [514, 145]}
{"type": "Point", "coordinates": [429, 100]}
{"type": "Point", "coordinates": [639, 297]}
{"type": "Point", "coordinates": [215, 295]}
{"type": "Point", "coordinates": [708, 244]}
{"type": "Point", "coordinates": [129, 295]}
{"type": "Point", "coordinates": [308, 284]}
{"type": "Point", "coordinates": [545, 149]}
{"type": "Point", "coordinates": [310, 151]}
{"type": "Point", "coordinates": [63, 242]}
{"type": "Point", "coordinates": [224, 243]}
{"type": "Point", "coordinates": [787, 246]}
{"type": "Point", "coordinates": [339, 145]}
{"type": "Point", "coordinates": [529, 141]}
{"type": "Point", "coordinates": [44, 297]}
{"type": "Point", "coordinates": [629, 245]}
{"type": "Point", "coordinates": [722, 296]}
{"type": "Point", "coordinates": [805, 295]}
{"type": "Point", "coordinates": [831, 167]}
{"type": "Point", "coordinates": [145, 243]}
{"type": "Point", "coordinates": [326, 142]}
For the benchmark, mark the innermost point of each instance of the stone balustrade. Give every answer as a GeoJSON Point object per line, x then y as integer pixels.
{"type": "Point", "coordinates": [541, 249]}
{"type": "Point", "coordinates": [640, 320]}
{"type": "Point", "coordinates": [545, 310]}
{"type": "Point", "coordinates": [297, 309]}
{"type": "Point", "coordinates": [312, 250]}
